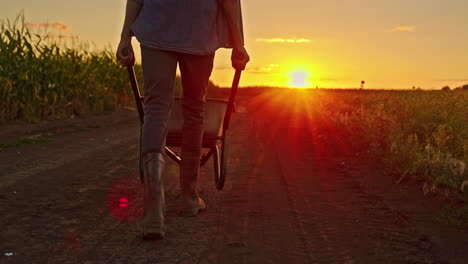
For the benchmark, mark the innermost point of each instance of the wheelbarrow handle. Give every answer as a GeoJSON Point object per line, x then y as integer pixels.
{"type": "Point", "coordinates": [136, 92]}
{"type": "Point", "coordinates": [134, 83]}
{"type": "Point", "coordinates": [232, 99]}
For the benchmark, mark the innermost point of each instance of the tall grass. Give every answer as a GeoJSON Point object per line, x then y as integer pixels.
{"type": "Point", "coordinates": [40, 78]}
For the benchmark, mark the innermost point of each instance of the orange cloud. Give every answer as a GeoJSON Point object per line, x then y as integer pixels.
{"type": "Point", "coordinates": [404, 29]}
{"type": "Point", "coordinates": [284, 40]}
{"type": "Point", "coordinates": [57, 26]}
{"type": "Point", "coordinates": [263, 70]}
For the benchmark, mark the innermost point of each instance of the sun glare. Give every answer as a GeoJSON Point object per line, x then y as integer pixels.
{"type": "Point", "coordinates": [299, 79]}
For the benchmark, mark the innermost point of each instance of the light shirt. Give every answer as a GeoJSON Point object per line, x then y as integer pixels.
{"type": "Point", "coordinates": [187, 26]}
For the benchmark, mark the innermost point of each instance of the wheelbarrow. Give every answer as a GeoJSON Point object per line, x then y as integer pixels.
{"type": "Point", "coordinates": [216, 125]}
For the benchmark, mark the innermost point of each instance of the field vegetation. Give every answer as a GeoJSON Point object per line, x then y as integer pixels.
{"type": "Point", "coordinates": [420, 134]}
{"type": "Point", "coordinates": [42, 78]}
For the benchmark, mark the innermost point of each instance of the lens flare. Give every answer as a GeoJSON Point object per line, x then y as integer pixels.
{"type": "Point", "coordinates": [124, 199]}
{"type": "Point", "coordinates": [123, 202]}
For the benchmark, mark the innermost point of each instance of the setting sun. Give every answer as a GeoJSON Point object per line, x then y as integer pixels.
{"type": "Point", "coordinates": [299, 79]}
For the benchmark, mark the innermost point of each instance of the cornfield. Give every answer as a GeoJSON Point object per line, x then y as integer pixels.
{"type": "Point", "coordinates": [42, 79]}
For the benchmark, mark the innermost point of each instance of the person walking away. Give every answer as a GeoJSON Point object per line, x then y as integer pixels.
{"type": "Point", "coordinates": [171, 32]}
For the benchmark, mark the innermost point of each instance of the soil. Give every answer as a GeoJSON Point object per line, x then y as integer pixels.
{"type": "Point", "coordinates": [295, 193]}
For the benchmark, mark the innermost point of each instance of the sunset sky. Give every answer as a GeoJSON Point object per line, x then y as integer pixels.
{"type": "Point", "coordinates": [333, 43]}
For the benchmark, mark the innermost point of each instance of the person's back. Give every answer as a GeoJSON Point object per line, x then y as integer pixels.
{"type": "Point", "coordinates": [181, 26]}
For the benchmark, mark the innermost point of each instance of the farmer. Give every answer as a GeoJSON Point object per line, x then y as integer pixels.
{"type": "Point", "coordinates": [187, 33]}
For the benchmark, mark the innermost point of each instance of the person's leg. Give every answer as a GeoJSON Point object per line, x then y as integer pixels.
{"type": "Point", "coordinates": [159, 69]}
{"type": "Point", "coordinates": [195, 73]}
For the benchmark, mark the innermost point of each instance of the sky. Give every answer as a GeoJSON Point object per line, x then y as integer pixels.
{"type": "Point", "coordinates": [396, 44]}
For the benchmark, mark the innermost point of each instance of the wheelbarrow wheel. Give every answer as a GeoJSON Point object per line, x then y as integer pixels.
{"type": "Point", "coordinates": [217, 166]}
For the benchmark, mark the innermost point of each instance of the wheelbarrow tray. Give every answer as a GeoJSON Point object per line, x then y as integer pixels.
{"type": "Point", "coordinates": [215, 111]}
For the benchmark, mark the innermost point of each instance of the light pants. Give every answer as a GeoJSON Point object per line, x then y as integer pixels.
{"type": "Point", "coordinates": [159, 71]}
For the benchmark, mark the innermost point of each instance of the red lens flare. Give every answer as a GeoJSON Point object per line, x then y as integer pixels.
{"type": "Point", "coordinates": [124, 199]}
{"type": "Point", "coordinates": [123, 202]}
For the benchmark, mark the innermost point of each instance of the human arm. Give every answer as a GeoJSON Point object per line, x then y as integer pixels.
{"type": "Point", "coordinates": [239, 56]}
{"type": "Point", "coordinates": [131, 13]}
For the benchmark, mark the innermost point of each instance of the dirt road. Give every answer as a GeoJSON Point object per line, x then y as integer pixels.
{"type": "Point", "coordinates": [295, 194]}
